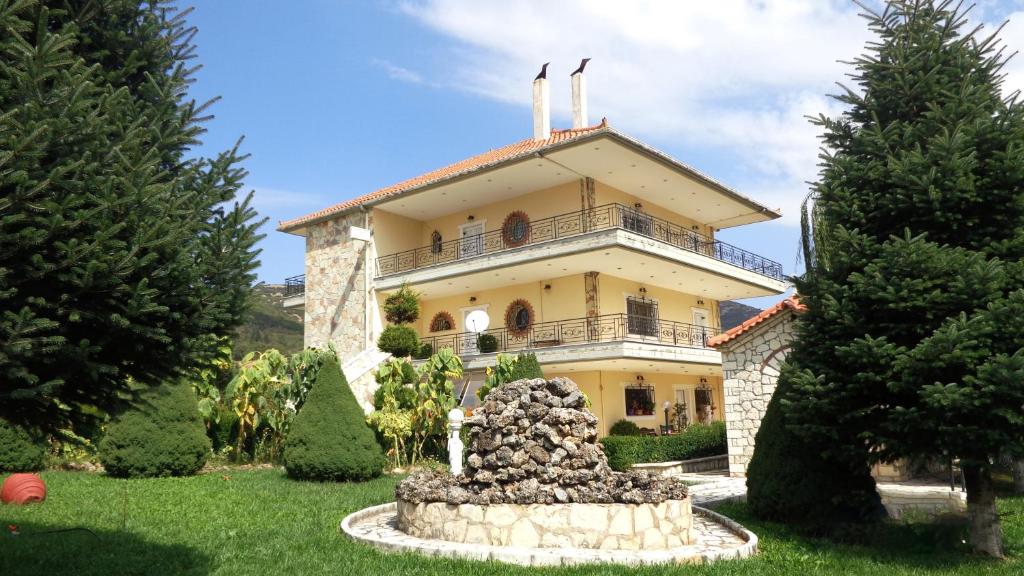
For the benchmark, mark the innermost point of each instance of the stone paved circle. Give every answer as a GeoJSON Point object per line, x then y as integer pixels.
{"type": "Point", "coordinates": [717, 538]}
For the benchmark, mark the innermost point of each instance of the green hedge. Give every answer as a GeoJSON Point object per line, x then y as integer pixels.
{"type": "Point", "coordinates": [20, 449]}
{"type": "Point", "coordinates": [624, 428]}
{"type": "Point", "coordinates": [697, 441]}
{"type": "Point", "coordinates": [161, 434]}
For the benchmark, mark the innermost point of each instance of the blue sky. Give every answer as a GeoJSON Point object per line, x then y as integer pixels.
{"type": "Point", "coordinates": [337, 98]}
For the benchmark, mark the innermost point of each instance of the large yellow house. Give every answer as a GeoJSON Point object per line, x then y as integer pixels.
{"type": "Point", "coordinates": [584, 246]}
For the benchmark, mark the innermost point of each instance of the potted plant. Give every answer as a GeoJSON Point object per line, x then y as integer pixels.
{"type": "Point", "coordinates": [487, 343]}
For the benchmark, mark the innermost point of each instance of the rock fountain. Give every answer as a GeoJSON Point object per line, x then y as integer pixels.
{"type": "Point", "coordinates": [537, 489]}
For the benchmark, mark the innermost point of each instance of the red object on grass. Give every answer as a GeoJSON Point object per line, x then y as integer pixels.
{"type": "Point", "coordinates": [22, 489]}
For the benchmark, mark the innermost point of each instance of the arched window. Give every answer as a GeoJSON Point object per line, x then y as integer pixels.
{"type": "Point", "coordinates": [519, 318]}
{"type": "Point", "coordinates": [442, 322]}
{"type": "Point", "coordinates": [516, 229]}
{"type": "Point", "coordinates": [435, 242]}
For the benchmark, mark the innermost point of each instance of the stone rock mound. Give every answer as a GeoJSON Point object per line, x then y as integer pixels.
{"type": "Point", "coordinates": [535, 442]}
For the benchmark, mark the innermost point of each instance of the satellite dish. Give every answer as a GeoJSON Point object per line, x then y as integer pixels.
{"type": "Point", "coordinates": [477, 321]}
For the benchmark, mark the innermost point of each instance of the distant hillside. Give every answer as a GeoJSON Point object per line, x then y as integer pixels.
{"type": "Point", "coordinates": [734, 313]}
{"type": "Point", "coordinates": [269, 325]}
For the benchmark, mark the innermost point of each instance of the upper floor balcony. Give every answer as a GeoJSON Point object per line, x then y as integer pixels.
{"type": "Point", "coordinates": [594, 339]}
{"type": "Point", "coordinates": [294, 291]}
{"type": "Point", "coordinates": [628, 237]}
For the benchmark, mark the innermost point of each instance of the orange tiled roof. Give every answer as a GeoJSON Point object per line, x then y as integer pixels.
{"type": "Point", "coordinates": [505, 153]}
{"type": "Point", "coordinates": [791, 303]}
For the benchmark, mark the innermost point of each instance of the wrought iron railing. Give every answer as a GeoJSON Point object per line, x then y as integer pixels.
{"type": "Point", "coordinates": [604, 328]}
{"type": "Point", "coordinates": [603, 217]}
{"type": "Point", "coordinates": [295, 285]}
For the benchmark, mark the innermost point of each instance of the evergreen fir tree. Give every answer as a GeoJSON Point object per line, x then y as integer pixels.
{"type": "Point", "coordinates": [912, 343]}
{"type": "Point", "coordinates": [122, 256]}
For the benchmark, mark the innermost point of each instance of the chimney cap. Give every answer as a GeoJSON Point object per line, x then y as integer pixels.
{"type": "Point", "coordinates": [583, 64]}
{"type": "Point", "coordinates": [543, 72]}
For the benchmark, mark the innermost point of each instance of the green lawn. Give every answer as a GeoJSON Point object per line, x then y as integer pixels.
{"type": "Point", "coordinates": [259, 522]}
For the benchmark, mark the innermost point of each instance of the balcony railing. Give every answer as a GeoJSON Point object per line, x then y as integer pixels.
{"type": "Point", "coordinates": [603, 217]}
{"type": "Point", "coordinates": [605, 328]}
{"type": "Point", "coordinates": [295, 285]}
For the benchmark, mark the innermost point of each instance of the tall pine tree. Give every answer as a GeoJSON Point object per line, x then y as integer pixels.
{"type": "Point", "coordinates": [912, 342]}
{"type": "Point", "coordinates": [122, 255]}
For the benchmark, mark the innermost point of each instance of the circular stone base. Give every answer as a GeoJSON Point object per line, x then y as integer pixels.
{"type": "Point", "coordinates": [716, 538]}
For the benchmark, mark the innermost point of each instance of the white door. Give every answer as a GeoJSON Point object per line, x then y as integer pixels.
{"type": "Point", "coordinates": [684, 396]}
{"type": "Point", "coordinates": [702, 322]}
{"type": "Point", "coordinates": [472, 242]}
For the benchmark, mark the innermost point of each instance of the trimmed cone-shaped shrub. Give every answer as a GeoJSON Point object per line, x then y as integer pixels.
{"type": "Point", "coordinates": [399, 340]}
{"type": "Point", "coordinates": [20, 451]}
{"type": "Point", "coordinates": [160, 435]}
{"type": "Point", "coordinates": [329, 439]}
{"type": "Point", "coordinates": [789, 480]}
{"type": "Point", "coordinates": [526, 366]}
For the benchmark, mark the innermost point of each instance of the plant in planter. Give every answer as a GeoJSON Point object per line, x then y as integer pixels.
{"type": "Point", "coordinates": [487, 343]}
{"type": "Point", "coordinates": [402, 307]}
{"type": "Point", "coordinates": [399, 340]}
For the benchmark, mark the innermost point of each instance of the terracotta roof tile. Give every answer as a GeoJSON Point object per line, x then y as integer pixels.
{"type": "Point", "coordinates": [791, 303]}
{"type": "Point", "coordinates": [518, 149]}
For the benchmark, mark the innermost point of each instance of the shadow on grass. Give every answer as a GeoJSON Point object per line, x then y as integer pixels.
{"type": "Point", "coordinates": [44, 549]}
{"type": "Point", "coordinates": [919, 546]}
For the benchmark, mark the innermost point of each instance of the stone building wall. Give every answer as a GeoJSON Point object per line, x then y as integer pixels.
{"type": "Point", "coordinates": [336, 289]}
{"type": "Point", "coordinates": [750, 365]}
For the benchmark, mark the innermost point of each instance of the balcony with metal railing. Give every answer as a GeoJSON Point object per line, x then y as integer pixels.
{"type": "Point", "coordinates": [295, 285]}
{"type": "Point", "coordinates": [606, 217]}
{"type": "Point", "coordinates": [592, 330]}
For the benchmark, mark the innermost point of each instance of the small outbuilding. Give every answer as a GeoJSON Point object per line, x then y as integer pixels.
{"type": "Point", "coordinates": [752, 354]}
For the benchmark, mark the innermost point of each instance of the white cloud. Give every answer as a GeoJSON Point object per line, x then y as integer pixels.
{"type": "Point", "coordinates": [272, 198]}
{"type": "Point", "coordinates": [399, 73]}
{"type": "Point", "coordinates": [732, 77]}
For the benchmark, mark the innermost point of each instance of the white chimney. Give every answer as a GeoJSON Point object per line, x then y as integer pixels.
{"type": "Point", "coordinates": [579, 96]}
{"type": "Point", "coordinates": [541, 105]}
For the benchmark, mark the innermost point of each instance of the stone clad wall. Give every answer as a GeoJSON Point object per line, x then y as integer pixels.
{"type": "Point", "coordinates": [597, 526]}
{"type": "Point", "coordinates": [336, 286]}
{"type": "Point", "coordinates": [750, 367]}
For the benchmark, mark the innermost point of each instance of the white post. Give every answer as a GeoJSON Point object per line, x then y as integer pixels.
{"type": "Point", "coordinates": [455, 446]}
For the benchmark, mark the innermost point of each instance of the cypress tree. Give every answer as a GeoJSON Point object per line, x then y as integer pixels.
{"type": "Point", "coordinates": [123, 256]}
{"type": "Point", "coordinates": [329, 439]}
{"type": "Point", "coordinates": [912, 343]}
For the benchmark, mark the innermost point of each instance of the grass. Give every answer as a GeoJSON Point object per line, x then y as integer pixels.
{"type": "Point", "coordinates": [260, 522]}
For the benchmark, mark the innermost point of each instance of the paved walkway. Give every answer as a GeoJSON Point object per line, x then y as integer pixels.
{"type": "Point", "coordinates": [923, 496]}
{"type": "Point", "coordinates": [710, 488]}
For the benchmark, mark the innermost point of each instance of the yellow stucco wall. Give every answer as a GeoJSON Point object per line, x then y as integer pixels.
{"type": "Point", "coordinates": [606, 194]}
{"type": "Point", "coordinates": [395, 233]}
{"type": "Point", "coordinates": [537, 205]}
{"type": "Point", "coordinates": [606, 390]}
{"type": "Point", "coordinates": [675, 306]}
{"type": "Point", "coordinates": [563, 301]}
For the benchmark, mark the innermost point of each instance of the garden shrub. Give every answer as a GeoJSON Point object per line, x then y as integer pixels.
{"type": "Point", "coordinates": [329, 439]}
{"type": "Point", "coordinates": [487, 343]}
{"type": "Point", "coordinates": [624, 428]}
{"type": "Point", "coordinates": [424, 352]}
{"type": "Point", "coordinates": [697, 441]}
{"type": "Point", "coordinates": [20, 449]}
{"type": "Point", "coordinates": [526, 366]}
{"type": "Point", "coordinates": [400, 341]}
{"type": "Point", "coordinates": [402, 307]}
{"type": "Point", "coordinates": [789, 480]}
{"type": "Point", "coordinates": [161, 434]}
